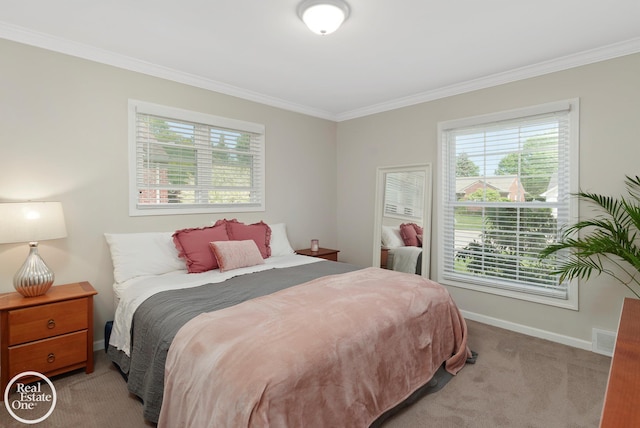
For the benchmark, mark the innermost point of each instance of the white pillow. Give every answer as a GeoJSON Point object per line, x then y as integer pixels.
{"type": "Point", "coordinates": [137, 254]}
{"type": "Point", "coordinates": [391, 237]}
{"type": "Point", "coordinates": [279, 244]}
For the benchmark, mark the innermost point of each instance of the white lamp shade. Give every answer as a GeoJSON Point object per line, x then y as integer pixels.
{"type": "Point", "coordinates": [31, 221]}
{"type": "Point", "coordinates": [323, 16]}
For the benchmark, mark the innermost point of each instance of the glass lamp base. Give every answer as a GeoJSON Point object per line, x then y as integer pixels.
{"type": "Point", "coordinates": [34, 278]}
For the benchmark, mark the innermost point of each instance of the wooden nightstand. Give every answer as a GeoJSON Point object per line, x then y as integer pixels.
{"type": "Point", "coordinates": [384, 258]}
{"type": "Point", "coordinates": [322, 253]}
{"type": "Point", "coordinates": [50, 334]}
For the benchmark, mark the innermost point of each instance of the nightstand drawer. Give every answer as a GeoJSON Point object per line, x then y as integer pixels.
{"type": "Point", "coordinates": [322, 253]}
{"type": "Point", "coordinates": [49, 354]}
{"type": "Point", "coordinates": [333, 257]}
{"type": "Point", "coordinates": [39, 322]}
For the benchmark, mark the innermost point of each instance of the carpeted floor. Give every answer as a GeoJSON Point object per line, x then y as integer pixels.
{"type": "Point", "coordinates": [518, 381]}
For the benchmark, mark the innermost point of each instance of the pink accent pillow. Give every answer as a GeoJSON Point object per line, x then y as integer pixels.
{"type": "Point", "coordinates": [236, 254]}
{"type": "Point", "coordinates": [411, 234]}
{"type": "Point", "coordinates": [193, 246]}
{"type": "Point", "coordinates": [260, 233]}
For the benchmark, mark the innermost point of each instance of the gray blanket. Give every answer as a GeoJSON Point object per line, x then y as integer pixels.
{"type": "Point", "coordinates": [158, 319]}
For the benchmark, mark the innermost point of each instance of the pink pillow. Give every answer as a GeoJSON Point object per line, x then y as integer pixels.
{"type": "Point", "coordinates": [225, 221]}
{"type": "Point", "coordinates": [260, 233]}
{"type": "Point", "coordinates": [236, 254]}
{"type": "Point", "coordinates": [193, 246]}
{"type": "Point", "coordinates": [411, 234]}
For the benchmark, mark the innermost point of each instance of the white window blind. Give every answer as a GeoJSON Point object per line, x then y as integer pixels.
{"type": "Point", "coordinates": [190, 162]}
{"type": "Point", "coordinates": [404, 195]}
{"type": "Point", "coordinates": [507, 181]}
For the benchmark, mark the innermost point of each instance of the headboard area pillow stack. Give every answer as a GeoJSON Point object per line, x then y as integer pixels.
{"type": "Point", "coordinates": [157, 253]}
{"type": "Point", "coordinates": [193, 244]}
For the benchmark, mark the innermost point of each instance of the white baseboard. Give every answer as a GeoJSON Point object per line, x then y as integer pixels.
{"type": "Point", "coordinates": [530, 331]}
{"type": "Point", "coordinates": [98, 345]}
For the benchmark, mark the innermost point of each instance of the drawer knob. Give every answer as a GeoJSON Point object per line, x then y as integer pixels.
{"type": "Point", "coordinates": [51, 324]}
{"type": "Point", "coordinates": [51, 358]}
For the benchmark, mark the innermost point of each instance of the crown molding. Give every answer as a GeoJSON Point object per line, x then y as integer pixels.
{"type": "Point", "coordinates": [615, 50]}
{"type": "Point", "coordinates": [80, 50]}
{"type": "Point", "coordinates": [56, 44]}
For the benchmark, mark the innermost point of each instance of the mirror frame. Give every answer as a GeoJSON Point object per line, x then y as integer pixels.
{"type": "Point", "coordinates": [426, 212]}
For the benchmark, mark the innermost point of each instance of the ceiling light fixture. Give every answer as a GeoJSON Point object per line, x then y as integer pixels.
{"type": "Point", "coordinates": [323, 16]}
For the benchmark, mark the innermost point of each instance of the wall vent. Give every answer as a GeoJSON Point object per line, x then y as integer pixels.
{"type": "Point", "coordinates": [603, 341]}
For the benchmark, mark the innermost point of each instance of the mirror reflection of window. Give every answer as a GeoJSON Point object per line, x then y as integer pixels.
{"type": "Point", "coordinates": [404, 195]}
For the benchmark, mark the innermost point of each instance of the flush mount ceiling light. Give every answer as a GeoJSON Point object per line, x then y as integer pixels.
{"type": "Point", "coordinates": [323, 16]}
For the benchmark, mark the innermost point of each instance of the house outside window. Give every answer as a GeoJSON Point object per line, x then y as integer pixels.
{"type": "Point", "coordinates": [505, 194]}
{"type": "Point", "coordinates": [184, 162]}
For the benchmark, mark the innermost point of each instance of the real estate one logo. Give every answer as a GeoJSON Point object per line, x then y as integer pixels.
{"type": "Point", "coordinates": [30, 403]}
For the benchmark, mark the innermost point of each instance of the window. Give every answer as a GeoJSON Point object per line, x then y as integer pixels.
{"type": "Point", "coordinates": [187, 162]}
{"type": "Point", "coordinates": [507, 180]}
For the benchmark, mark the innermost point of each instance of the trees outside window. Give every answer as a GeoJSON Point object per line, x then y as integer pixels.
{"type": "Point", "coordinates": [188, 162]}
{"type": "Point", "coordinates": [507, 180]}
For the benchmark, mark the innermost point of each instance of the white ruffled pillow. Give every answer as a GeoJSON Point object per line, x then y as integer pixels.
{"type": "Point", "coordinates": [138, 254]}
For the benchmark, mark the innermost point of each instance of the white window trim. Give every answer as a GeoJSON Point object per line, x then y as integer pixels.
{"type": "Point", "coordinates": [135, 106]}
{"type": "Point", "coordinates": [574, 123]}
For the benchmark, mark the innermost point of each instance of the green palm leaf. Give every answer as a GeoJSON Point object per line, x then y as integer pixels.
{"type": "Point", "coordinates": [605, 244]}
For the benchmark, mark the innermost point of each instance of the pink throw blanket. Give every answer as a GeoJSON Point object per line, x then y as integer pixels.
{"type": "Point", "coordinates": [336, 351]}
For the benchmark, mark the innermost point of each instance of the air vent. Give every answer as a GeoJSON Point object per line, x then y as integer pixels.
{"type": "Point", "coordinates": [603, 341]}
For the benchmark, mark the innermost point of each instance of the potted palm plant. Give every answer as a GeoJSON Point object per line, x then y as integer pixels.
{"type": "Point", "coordinates": [606, 244]}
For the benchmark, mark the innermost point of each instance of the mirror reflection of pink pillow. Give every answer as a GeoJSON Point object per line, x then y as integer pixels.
{"type": "Point", "coordinates": [411, 234]}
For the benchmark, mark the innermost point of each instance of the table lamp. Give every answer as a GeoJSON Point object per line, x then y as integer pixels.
{"type": "Point", "coordinates": [32, 222]}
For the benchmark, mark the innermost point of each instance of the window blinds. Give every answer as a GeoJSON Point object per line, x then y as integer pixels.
{"type": "Point", "coordinates": [181, 163]}
{"type": "Point", "coordinates": [506, 194]}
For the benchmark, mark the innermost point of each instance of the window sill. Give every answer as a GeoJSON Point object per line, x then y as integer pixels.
{"type": "Point", "coordinates": [570, 303]}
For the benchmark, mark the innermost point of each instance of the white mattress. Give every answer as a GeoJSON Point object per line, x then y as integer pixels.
{"type": "Point", "coordinates": [130, 294]}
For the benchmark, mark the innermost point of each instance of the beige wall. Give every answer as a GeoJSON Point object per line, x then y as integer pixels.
{"type": "Point", "coordinates": [63, 137]}
{"type": "Point", "coordinates": [609, 95]}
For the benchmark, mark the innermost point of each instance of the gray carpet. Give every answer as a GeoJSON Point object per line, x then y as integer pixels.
{"type": "Point", "coordinates": [518, 381]}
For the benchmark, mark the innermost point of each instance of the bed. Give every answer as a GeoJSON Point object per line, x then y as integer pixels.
{"type": "Point", "coordinates": [292, 341]}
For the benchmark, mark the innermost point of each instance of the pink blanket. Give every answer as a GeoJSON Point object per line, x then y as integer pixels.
{"type": "Point", "coordinates": [336, 351]}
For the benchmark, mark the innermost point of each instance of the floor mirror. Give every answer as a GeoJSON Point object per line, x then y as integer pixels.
{"type": "Point", "coordinates": [402, 220]}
